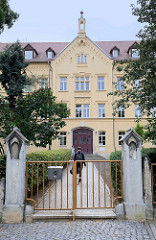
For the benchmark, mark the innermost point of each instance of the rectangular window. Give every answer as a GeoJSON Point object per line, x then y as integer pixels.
{"type": "Point", "coordinates": [102, 139]}
{"type": "Point", "coordinates": [78, 111]}
{"type": "Point", "coordinates": [115, 53]}
{"type": "Point", "coordinates": [135, 53]}
{"type": "Point", "coordinates": [137, 84]}
{"type": "Point", "coordinates": [44, 83]}
{"type": "Point", "coordinates": [27, 88]}
{"type": "Point", "coordinates": [120, 84]}
{"type": "Point", "coordinates": [86, 110]}
{"type": "Point", "coordinates": [154, 112]}
{"type": "Point", "coordinates": [28, 55]}
{"type": "Point", "coordinates": [121, 112]}
{"type": "Point", "coordinates": [101, 110]}
{"type": "Point", "coordinates": [101, 83]}
{"type": "Point", "coordinates": [50, 54]}
{"type": "Point", "coordinates": [138, 113]}
{"type": "Point", "coordinates": [82, 59]}
{"type": "Point", "coordinates": [63, 139]}
{"type": "Point", "coordinates": [82, 84]}
{"type": "Point", "coordinates": [63, 84]}
{"type": "Point", "coordinates": [120, 136]}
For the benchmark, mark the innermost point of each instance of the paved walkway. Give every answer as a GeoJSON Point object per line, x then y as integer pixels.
{"type": "Point", "coordinates": [88, 229]}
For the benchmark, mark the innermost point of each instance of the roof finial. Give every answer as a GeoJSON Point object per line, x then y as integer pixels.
{"type": "Point", "coordinates": [81, 13]}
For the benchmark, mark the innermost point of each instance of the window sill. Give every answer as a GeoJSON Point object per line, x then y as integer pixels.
{"type": "Point", "coordinates": [63, 91]}
{"type": "Point", "coordinates": [81, 91]}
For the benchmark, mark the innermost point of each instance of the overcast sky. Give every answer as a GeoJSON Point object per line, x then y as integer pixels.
{"type": "Point", "coordinates": [50, 21]}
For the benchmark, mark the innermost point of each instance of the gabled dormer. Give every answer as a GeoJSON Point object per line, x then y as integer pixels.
{"type": "Point", "coordinates": [133, 50]}
{"type": "Point", "coordinates": [50, 53]}
{"type": "Point", "coordinates": [29, 52]}
{"type": "Point", "coordinates": [115, 52]}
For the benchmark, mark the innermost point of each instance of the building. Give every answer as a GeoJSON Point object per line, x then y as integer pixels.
{"type": "Point", "coordinates": [80, 74]}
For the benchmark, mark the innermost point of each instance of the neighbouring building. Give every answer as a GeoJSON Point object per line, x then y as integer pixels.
{"type": "Point", "coordinates": [80, 74]}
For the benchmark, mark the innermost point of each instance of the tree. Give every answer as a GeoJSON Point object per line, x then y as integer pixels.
{"type": "Point", "coordinates": [140, 75]}
{"type": "Point", "coordinates": [7, 16]}
{"type": "Point", "coordinates": [37, 114]}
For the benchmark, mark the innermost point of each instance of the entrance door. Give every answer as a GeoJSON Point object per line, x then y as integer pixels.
{"type": "Point", "coordinates": [83, 138]}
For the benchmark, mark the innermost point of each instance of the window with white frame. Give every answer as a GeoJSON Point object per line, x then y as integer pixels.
{"type": "Point", "coordinates": [63, 139]}
{"type": "Point", "coordinates": [82, 109]}
{"type": "Point", "coordinates": [120, 84]}
{"type": "Point", "coordinates": [101, 83]}
{"type": "Point", "coordinates": [121, 111]}
{"type": "Point", "coordinates": [82, 83]}
{"type": "Point", "coordinates": [50, 54]}
{"type": "Point", "coordinates": [120, 135]}
{"type": "Point", "coordinates": [138, 113]}
{"type": "Point", "coordinates": [154, 112]}
{"type": "Point", "coordinates": [102, 139]}
{"type": "Point", "coordinates": [82, 58]}
{"type": "Point", "coordinates": [27, 88]}
{"type": "Point", "coordinates": [63, 84]}
{"type": "Point", "coordinates": [135, 53]}
{"type": "Point", "coordinates": [28, 55]}
{"type": "Point", "coordinates": [101, 110]}
{"type": "Point", "coordinates": [44, 83]}
{"type": "Point", "coordinates": [115, 53]}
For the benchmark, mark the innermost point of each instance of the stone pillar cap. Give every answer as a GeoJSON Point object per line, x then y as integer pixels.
{"type": "Point", "coordinates": [16, 132]}
{"type": "Point", "coordinates": [131, 132]}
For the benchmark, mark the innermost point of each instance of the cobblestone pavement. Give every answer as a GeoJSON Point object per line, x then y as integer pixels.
{"type": "Point", "coordinates": [80, 229]}
{"type": "Point", "coordinates": [151, 228]}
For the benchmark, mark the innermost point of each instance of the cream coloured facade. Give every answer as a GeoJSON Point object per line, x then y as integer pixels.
{"type": "Point", "coordinates": [80, 74]}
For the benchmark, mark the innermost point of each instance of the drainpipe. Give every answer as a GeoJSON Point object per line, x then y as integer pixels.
{"type": "Point", "coordinates": [50, 70]}
{"type": "Point", "coordinates": [113, 67]}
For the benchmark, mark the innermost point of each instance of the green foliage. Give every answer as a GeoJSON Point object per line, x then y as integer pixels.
{"type": "Point", "coordinates": [140, 130]}
{"type": "Point", "coordinates": [37, 115]}
{"type": "Point", "coordinates": [151, 153]}
{"type": "Point", "coordinates": [7, 16]}
{"type": "Point", "coordinates": [115, 155]}
{"type": "Point", "coordinates": [54, 155]}
{"type": "Point", "coordinates": [2, 166]}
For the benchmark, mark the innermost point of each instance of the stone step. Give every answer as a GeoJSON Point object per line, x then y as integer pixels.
{"type": "Point", "coordinates": [94, 157]}
{"type": "Point", "coordinates": [47, 215]}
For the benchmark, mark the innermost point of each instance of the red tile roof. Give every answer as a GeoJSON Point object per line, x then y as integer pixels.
{"type": "Point", "coordinates": [106, 46]}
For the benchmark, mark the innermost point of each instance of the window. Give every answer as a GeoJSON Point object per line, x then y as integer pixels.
{"type": "Point", "coordinates": [63, 84]}
{"type": "Point", "coordinates": [121, 112]}
{"type": "Point", "coordinates": [135, 53]}
{"type": "Point", "coordinates": [82, 84]}
{"type": "Point", "coordinates": [63, 139]}
{"type": "Point", "coordinates": [115, 53]}
{"type": "Point", "coordinates": [82, 59]}
{"type": "Point", "coordinates": [50, 54]}
{"type": "Point", "coordinates": [28, 55]}
{"type": "Point", "coordinates": [101, 83]}
{"type": "Point", "coordinates": [120, 84]}
{"type": "Point", "coordinates": [101, 110]}
{"type": "Point", "coordinates": [85, 111]}
{"type": "Point", "coordinates": [120, 136]}
{"type": "Point", "coordinates": [138, 113]}
{"type": "Point", "coordinates": [137, 84]}
{"type": "Point", "coordinates": [44, 83]}
{"type": "Point", "coordinates": [154, 112]}
{"type": "Point", "coordinates": [27, 88]}
{"type": "Point", "coordinates": [102, 139]}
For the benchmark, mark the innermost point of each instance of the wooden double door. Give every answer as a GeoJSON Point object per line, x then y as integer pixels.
{"type": "Point", "coordinates": [83, 138]}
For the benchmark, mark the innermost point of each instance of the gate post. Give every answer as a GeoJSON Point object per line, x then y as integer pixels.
{"type": "Point", "coordinates": [16, 145]}
{"type": "Point", "coordinates": [132, 176]}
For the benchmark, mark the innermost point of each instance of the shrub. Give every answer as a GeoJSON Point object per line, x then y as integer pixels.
{"type": "Point", "coordinates": [2, 166]}
{"type": "Point", "coordinates": [151, 153]}
{"type": "Point", "coordinates": [115, 155]}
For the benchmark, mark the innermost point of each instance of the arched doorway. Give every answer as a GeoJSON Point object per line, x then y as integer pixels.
{"type": "Point", "coordinates": [83, 137]}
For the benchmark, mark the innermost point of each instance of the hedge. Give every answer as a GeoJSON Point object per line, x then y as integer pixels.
{"type": "Point", "coordinates": [2, 166]}
{"type": "Point", "coordinates": [151, 153]}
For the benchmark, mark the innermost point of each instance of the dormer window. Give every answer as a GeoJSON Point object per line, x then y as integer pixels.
{"type": "Point", "coordinates": [29, 52]}
{"type": "Point", "coordinates": [115, 52]}
{"type": "Point", "coordinates": [134, 53]}
{"type": "Point", "coordinates": [133, 50]}
{"type": "Point", "coordinates": [50, 53]}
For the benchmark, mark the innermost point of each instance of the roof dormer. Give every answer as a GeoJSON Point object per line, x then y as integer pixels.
{"type": "Point", "coordinates": [115, 52]}
{"type": "Point", "coordinates": [29, 52]}
{"type": "Point", "coordinates": [133, 50]}
{"type": "Point", "coordinates": [50, 53]}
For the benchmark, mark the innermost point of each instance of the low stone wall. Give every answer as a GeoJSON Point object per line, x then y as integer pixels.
{"type": "Point", "coordinates": [2, 195]}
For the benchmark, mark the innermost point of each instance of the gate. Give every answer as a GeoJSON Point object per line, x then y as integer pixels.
{"type": "Point", "coordinates": [153, 174]}
{"type": "Point", "coordinates": [99, 185]}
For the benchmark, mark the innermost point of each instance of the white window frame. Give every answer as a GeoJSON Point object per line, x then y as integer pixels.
{"type": "Point", "coordinates": [86, 112]}
{"type": "Point", "coordinates": [120, 135]}
{"type": "Point", "coordinates": [82, 58]}
{"type": "Point", "coordinates": [101, 110]}
{"type": "Point", "coordinates": [28, 55]}
{"type": "Point", "coordinates": [82, 84]}
{"type": "Point", "coordinates": [102, 138]}
{"type": "Point", "coordinates": [101, 83]}
{"type": "Point", "coordinates": [63, 139]}
{"type": "Point", "coordinates": [82, 111]}
{"type": "Point", "coordinates": [63, 83]}
{"type": "Point", "coordinates": [121, 112]}
{"type": "Point", "coordinates": [135, 53]}
{"type": "Point", "coordinates": [78, 111]}
{"type": "Point", "coordinates": [120, 84]}
{"type": "Point", "coordinates": [115, 53]}
{"type": "Point", "coordinates": [138, 113]}
{"type": "Point", "coordinates": [44, 83]}
{"type": "Point", "coordinates": [50, 55]}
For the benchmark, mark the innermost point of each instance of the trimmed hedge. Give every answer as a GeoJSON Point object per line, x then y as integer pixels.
{"type": "Point", "coordinates": [151, 153]}
{"type": "Point", "coordinates": [2, 166]}
{"type": "Point", "coordinates": [115, 155]}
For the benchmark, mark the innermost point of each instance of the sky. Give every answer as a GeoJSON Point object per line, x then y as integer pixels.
{"type": "Point", "coordinates": [57, 21]}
